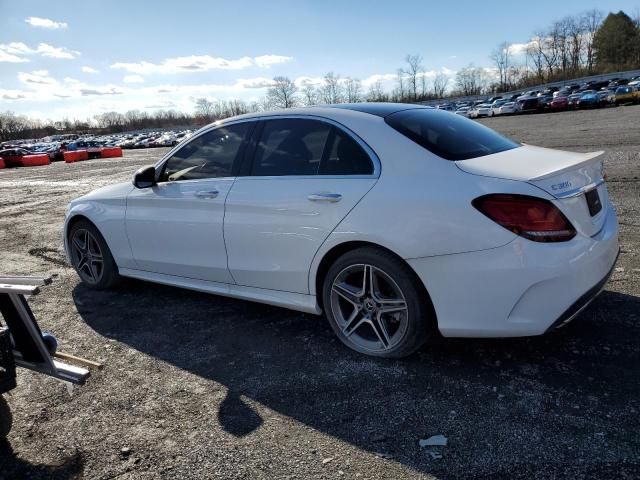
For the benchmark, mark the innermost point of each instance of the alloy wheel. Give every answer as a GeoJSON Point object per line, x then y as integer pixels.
{"type": "Point", "coordinates": [87, 256]}
{"type": "Point", "coordinates": [369, 308]}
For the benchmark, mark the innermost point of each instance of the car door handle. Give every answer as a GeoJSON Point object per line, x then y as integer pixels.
{"type": "Point", "coordinates": [207, 193]}
{"type": "Point", "coordinates": [325, 197]}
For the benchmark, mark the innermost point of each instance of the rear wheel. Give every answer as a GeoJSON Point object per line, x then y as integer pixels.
{"type": "Point", "coordinates": [374, 304]}
{"type": "Point", "coordinates": [91, 257]}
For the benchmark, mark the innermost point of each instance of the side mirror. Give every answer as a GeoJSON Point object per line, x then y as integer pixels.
{"type": "Point", "coordinates": [145, 177]}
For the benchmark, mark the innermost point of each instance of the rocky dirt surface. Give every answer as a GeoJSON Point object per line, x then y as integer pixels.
{"type": "Point", "coordinates": [199, 386]}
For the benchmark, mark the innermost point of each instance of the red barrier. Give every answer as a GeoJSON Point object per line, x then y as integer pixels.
{"type": "Point", "coordinates": [35, 160]}
{"type": "Point", "coordinates": [75, 156]}
{"type": "Point", "coordinates": [111, 152]}
{"type": "Point", "coordinates": [2, 165]}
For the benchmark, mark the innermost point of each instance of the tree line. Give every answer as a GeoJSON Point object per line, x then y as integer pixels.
{"type": "Point", "coordinates": [584, 44]}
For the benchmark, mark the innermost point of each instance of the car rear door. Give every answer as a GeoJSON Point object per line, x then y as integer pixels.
{"type": "Point", "coordinates": [175, 227]}
{"type": "Point", "coordinates": [304, 176]}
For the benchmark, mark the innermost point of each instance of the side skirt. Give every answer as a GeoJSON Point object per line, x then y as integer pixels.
{"type": "Point", "coordinates": [293, 301]}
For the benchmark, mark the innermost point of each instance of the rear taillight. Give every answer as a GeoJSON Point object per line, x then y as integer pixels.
{"type": "Point", "coordinates": [534, 218]}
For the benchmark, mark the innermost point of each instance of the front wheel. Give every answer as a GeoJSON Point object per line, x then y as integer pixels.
{"type": "Point", "coordinates": [375, 305]}
{"type": "Point", "coordinates": [91, 257]}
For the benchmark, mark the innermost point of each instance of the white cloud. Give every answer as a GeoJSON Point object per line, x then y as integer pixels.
{"type": "Point", "coordinates": [133, 79]}
{"type": "Point", "coordinates": [47, 50]}
{"type": "Point", "coordinates": [86, 69]}
{"type": "Point", "coordinates": [37, 77]}
{"type": "Point", "coordinates": [11, 94]}
{"type": "Point", "coordinates": [384, 77]}
{"type": "Point", "coordinates": [303, 81]}
{"type": "Point", "coordinates": [16, 51]}
{"type": "Point", "coordinates": [105, 90]}
{"type": "Point", "coordinates": [12, 52]}
{"type": "Point", "coordinates": [258, 82]}
{"type": "Point", "coordinates": [198, 63]}
{"type": "Point", "coordinates": [521, 48]}
{"type": "Point", "coordinates": [266, 61]}
{"type": "Point", "coordinates": [45, 23]}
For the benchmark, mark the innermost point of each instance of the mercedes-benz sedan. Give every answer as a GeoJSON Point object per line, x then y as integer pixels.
{"type": "Point", "coordinates": [398, 222]}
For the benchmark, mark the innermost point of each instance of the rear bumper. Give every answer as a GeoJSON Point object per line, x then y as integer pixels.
{"type": "Point", "coordinates": [574, 310]}
{"type": "Point", "coordinates": [520, 289]}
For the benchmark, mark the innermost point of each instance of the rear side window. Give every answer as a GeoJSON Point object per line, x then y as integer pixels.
{"type": "Point", "coordinates": [447, 135]}
{"type": "Point", "coordinates": [345, 157]}
{"type": "Point", "coordinates": [210, 155]}
{"type": "Point", "coordinates": [290, 147]}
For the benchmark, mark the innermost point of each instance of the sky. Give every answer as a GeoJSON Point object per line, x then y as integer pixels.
{"type": "Point", "coordinates": [77, 59]}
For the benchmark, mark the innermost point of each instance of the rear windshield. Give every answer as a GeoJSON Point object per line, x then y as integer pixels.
{"type": "Point", "coordinates": [448, 135]}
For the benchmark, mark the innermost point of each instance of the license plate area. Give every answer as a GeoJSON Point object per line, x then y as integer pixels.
{"type": "Point", "coordinates": [593, 201]}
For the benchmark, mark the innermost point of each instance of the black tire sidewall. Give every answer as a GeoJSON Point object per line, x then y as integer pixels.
{"type": "Point", "coordinates": [418, 307]}
{"type": "Point", "coordinates": [110, 270]}
{"type": "Point", "coordinates": [6, 419]}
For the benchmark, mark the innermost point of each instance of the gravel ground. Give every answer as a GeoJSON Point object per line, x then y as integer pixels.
{"type": "Point", "coordinates": [199, 386]}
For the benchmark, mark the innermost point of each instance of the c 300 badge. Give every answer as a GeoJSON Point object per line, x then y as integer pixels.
{"type": "Point", "coordinates": [561, 186]}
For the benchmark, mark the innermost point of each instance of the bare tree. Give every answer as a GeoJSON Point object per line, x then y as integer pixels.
{"type": "Point", "coordinates": [501, 59]}
{"type": "Point", "coordinates": [440, 84]}
{"type": "Point", "coordinates": [332, 90]}
{"type": "Point", "coordinates": [204, 109]}
{"type": "Point", "coordinates": [471, 80]}
{"type": "Point", "coordinates": [400, 92]}
{"type": "Point", "coordinates": [376, 92]}
{"type": "Point", "coordinates": [591, 21]}
{"type": "Point", "coordinates": [309, 95]}
{"type": "Point", "coordinates": [414, 67]}
{"type": "Point", "coordinates": [282, 94]}
{"type": "Point", "coordinates": [534, 52]}
{"type": "Point", "coordinates": [353, 90]}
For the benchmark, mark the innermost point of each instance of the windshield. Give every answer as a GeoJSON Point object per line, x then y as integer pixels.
{"type": "Point", "coordinates": [449, 136]}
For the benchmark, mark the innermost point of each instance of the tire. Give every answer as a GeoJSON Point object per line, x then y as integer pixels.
{"type": "Point", "coordinates": [87, 265]}
{"type": "Point", "coordinates": [356, 315]}
{"type": "Point", "coordinates": [6, 419]}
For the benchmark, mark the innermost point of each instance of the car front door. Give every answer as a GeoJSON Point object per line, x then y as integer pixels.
{"type": "Point", "coordinates": [305, 176]}
{"type": "Point", "coordinates": [175, 226]}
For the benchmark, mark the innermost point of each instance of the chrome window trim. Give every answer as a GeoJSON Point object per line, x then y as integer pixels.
{"type": "Point", "coordinates": [377, 166]}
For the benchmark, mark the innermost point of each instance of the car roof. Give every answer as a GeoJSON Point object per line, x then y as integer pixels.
{"type": "Point", "coordinates": [381, 109]}
{"type": "Point", "coordinates": [328, 111]}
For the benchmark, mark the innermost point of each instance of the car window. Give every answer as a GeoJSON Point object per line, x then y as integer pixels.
{"type": "Point", "coordinates": [345, 157]}
{"type": "Point", "coordinates": [290, 147]}
{"type": "Point", "coordinates": [210, 155]}
{"type": "Point", "coordinates": [449, 136]}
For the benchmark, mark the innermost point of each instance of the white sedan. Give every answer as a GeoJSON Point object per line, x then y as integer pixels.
{"type": "Point", "coordinates": [481, 110]}
{"type": "Point", "coordinates": [397, 221]}
{"type": "Point", "coordinates": [508, 108]}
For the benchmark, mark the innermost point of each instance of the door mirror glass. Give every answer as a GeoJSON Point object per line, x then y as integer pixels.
{"type": "Point", "coordinates": [145, 177]}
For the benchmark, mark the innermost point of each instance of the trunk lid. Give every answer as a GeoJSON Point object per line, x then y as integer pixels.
{"type": "Point", "coordinates": [570, 177]}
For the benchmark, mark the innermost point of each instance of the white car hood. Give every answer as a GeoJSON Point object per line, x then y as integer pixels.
{"type": "Point", "coordinates": [118, 190]}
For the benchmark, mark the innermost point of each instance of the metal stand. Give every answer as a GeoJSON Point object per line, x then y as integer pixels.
{"type": "Point", "coordinates": [29, 350]}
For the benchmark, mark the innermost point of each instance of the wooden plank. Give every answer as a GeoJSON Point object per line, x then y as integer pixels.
{"type": "Point", "coordinates": [18, 280]}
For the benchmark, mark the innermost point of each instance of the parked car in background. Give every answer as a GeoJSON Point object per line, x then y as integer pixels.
{"type": "Point", "coordinates": [544, 102]}
{"type": "Point", "coordinates": [495, 106]}
{"type": "Point", "coordinates": [627, 94]}
{"type": "Point", "coordinates": [463, 111]}
{"type": "Point", "coordinates": [573, 100]}
{"type": "Point", "coordinates": [528, 105]}
{"type": "Point", "coordinates": [561, 102]}
{"type": "Point", "coordinates": [508, 108]}
{"type": "Point", "coordinates": [481, 110]}
{"type": "Point", "coordinates": [588, 99]}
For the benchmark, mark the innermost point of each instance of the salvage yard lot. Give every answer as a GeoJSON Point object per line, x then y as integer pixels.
{"type": "Point", "coordinates": [199, 386]}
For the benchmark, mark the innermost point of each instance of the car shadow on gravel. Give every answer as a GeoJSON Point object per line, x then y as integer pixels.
{"type": "Point", "coordinates": [511, 408]}
{"type": "Point", "coordinates": [12, 467]}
